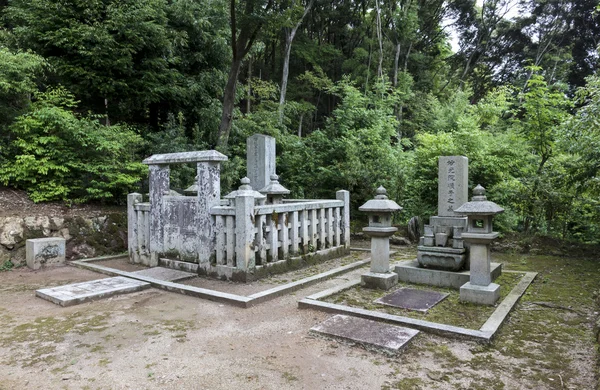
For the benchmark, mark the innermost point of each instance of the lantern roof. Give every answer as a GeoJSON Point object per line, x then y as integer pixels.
{"type": "Point", "coordinates": [381, 203]}
{"type": "Point", "coordinates": [479, 205]}
{"type": "Point", "coordinates": [274, 188]}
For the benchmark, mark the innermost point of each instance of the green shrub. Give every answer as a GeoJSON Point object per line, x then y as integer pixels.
{"type": "Point", "coordinates": [55, 154]}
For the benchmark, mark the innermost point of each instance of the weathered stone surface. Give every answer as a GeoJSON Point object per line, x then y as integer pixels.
{"type": "Point", "coordinates": [43, 252]}
{"type": "Point", "coordinates": [411, 272]}
{"type": "Point", "coordinates": [482, 295]}
{"type": "Point", "coordinates": [162, 273]}
{"type": "Point", "coordinates": [449, 259]}
{"type": "Point", "coordinates": [73, 294]}
{"type": "Point", "coordinates": [79, 251]}
{"type": "Point", "coordinates": [414, 229]}
{"type": "Point", "coordinates": [453, 182]}
{"type": "Point", "coordinates": [397, 240]}
{"type": "Point", "coordinates": [260, 160]}
{"type": "Point", "coordinates": [412, 299]}
{"type": "Point", "coordinates": [370, 334]}
{"type": "Point", "coordinates": [185, 157]}
{"type": "Point", "coordinates": [380, 281]}
{"type": "Point", "coordinates": [11, 232]}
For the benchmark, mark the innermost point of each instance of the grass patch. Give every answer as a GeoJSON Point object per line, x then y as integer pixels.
{"type": "Point", "coordinates": [450, 311]}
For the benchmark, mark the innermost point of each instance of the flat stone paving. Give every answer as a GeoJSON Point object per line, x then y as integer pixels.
{"type": "Point", "coordinates": [73, 294]}
{"type": "Point", "coordinates": [371, 334]}
{"type": "Point", "coordinates": [412, 299]}
{"type": "Point", "coordinates": [167, 274]}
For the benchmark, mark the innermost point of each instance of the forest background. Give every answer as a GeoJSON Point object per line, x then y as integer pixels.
{"type": "Point", "coordinates": [357, 93]}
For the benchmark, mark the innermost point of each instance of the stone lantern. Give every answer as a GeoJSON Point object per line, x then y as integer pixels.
{"type": "Point", "coordinates": [380, 229]}
{"type": "Point", "coordinates": [245, 190]}
{"type": "Point", "coordinates": [274, 191]}
{"type": "Point", "coordinates": [479, 234]}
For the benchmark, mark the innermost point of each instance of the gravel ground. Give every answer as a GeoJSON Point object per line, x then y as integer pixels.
{"type": "Point", "coordinates": [159, 340]}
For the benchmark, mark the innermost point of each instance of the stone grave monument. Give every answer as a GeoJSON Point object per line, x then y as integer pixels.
{"type": "Point", "coordinates": [442, 246]}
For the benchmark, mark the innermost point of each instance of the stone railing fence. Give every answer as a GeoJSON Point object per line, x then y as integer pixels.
{"type": "Point", "coordinates": [234, 237]}
{"type": "Point", "coordinates": [250, 236]}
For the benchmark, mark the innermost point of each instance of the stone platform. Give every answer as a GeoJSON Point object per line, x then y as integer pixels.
{"type": "Point", "coordinates": [74, 294]}
{"type": "Point", "coordinates": [166, 274]}
{"type": "Point", "coordinates": [410, 271]}
{"type": "Point", "coordinates": [368, 333]}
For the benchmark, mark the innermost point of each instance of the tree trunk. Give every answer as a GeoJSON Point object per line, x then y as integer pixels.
{"type": "Point", "coordinates": [228, 102]}
{"type": "Point", "coordinates": [289, 37]}
{"type": "Point", "coordinates": [249, 92]}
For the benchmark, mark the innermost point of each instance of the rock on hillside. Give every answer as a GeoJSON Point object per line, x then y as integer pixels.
{"type": "Point", "coordinates": [89, 230]}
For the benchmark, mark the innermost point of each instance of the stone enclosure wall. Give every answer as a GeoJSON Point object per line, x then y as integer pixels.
{"type": "Point", "coordinates": [86, 236]}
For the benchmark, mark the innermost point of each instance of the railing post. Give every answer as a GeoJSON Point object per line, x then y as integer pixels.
{"type": "Point", "coordinates": [295, 234]}
{"type": "Point", "coordinates": [344, 196]}
{"type": "Point", "coordinates": [159, 185]}
{"type": "Point", "coordinates": [132, 227]}
{"type": "Point", "coordinates": [244, 232]}
{"type": "Point", "coordinates": [209, 194]}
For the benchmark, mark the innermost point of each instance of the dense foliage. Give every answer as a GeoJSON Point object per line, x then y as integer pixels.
{"type": "Point", "coordinates": [358, 94]}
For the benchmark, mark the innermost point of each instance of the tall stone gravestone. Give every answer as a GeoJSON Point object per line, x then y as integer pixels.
{"type": "Point", "coordinates": [442, 246]}
{"type": "Point", "coordinates": [260, 160]}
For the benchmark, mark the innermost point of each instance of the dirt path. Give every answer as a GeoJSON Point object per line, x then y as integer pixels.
{"type": "Point", "coordinates": [160, 340]}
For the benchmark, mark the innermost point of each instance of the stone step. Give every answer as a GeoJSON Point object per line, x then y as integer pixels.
{"type": "Point", "coordinates": [368, 333]}
{"type": "Point", "coordinates": [166, 274]}
{"type": "Point", "coordinates": [74, 294]}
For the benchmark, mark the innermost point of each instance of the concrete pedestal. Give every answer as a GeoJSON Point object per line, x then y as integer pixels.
{"type": "Point", "coordinates": [482, 295]}
{"type": "Point", "coordinates": [381, 281]}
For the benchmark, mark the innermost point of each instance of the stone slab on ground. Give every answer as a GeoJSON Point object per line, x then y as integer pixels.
{"type": "Point", "coordinates": [167, 274]}
{"type": "Point", "coordinates": [368, 333]}
{"type": "Point", "coordinates": [73, 294]}
{"type": "Point", "coordinates": [412, 299]}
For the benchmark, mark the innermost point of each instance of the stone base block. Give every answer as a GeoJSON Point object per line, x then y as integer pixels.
{"type": "Point", "coordinates": [411, 272]}
{"type": "Point", "coordinates": [379, 281]}
{"type": "Point", "coordinates": [43, 252]}
{"type": "Point", "coordinates": [447, 259]}
{"type": "Point", "coordinates": [481, 295]}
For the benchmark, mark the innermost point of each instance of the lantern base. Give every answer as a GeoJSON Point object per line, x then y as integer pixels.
{"type": "Point", "coordinates": [379, 281]}
{"type": "Point", "coordinates": [481, 295]}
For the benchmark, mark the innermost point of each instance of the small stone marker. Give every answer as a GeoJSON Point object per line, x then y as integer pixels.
{"type": "Point", "coordinates": [166, 274]}
{"type": "Point", "coordinates": [368, 333]}
{"type": "Point", "coordinates": [43, 252]}
{"type": "Point", "coordinates": [412, 299]}
{"type": "Point", "coordinates": [73, 294]}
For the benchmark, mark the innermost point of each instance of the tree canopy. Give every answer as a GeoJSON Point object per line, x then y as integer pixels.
{"type": "Point", "coordinates": [358, 94]}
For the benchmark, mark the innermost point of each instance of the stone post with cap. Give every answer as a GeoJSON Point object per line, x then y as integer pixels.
{"type": "Point", "coordinates": [479, 234]}
{"type": "Point", "coordinates": [380, 229]}
{"type": "Point", "coordinates": [244, 199]}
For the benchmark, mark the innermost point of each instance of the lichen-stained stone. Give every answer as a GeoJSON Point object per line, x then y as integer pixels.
{"type": "Point", "coordinates": [371, 334]}
{"type": "Point", "coordinates": [43, 252]}
{"type": "Point", "coordinates": [73, 294]}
